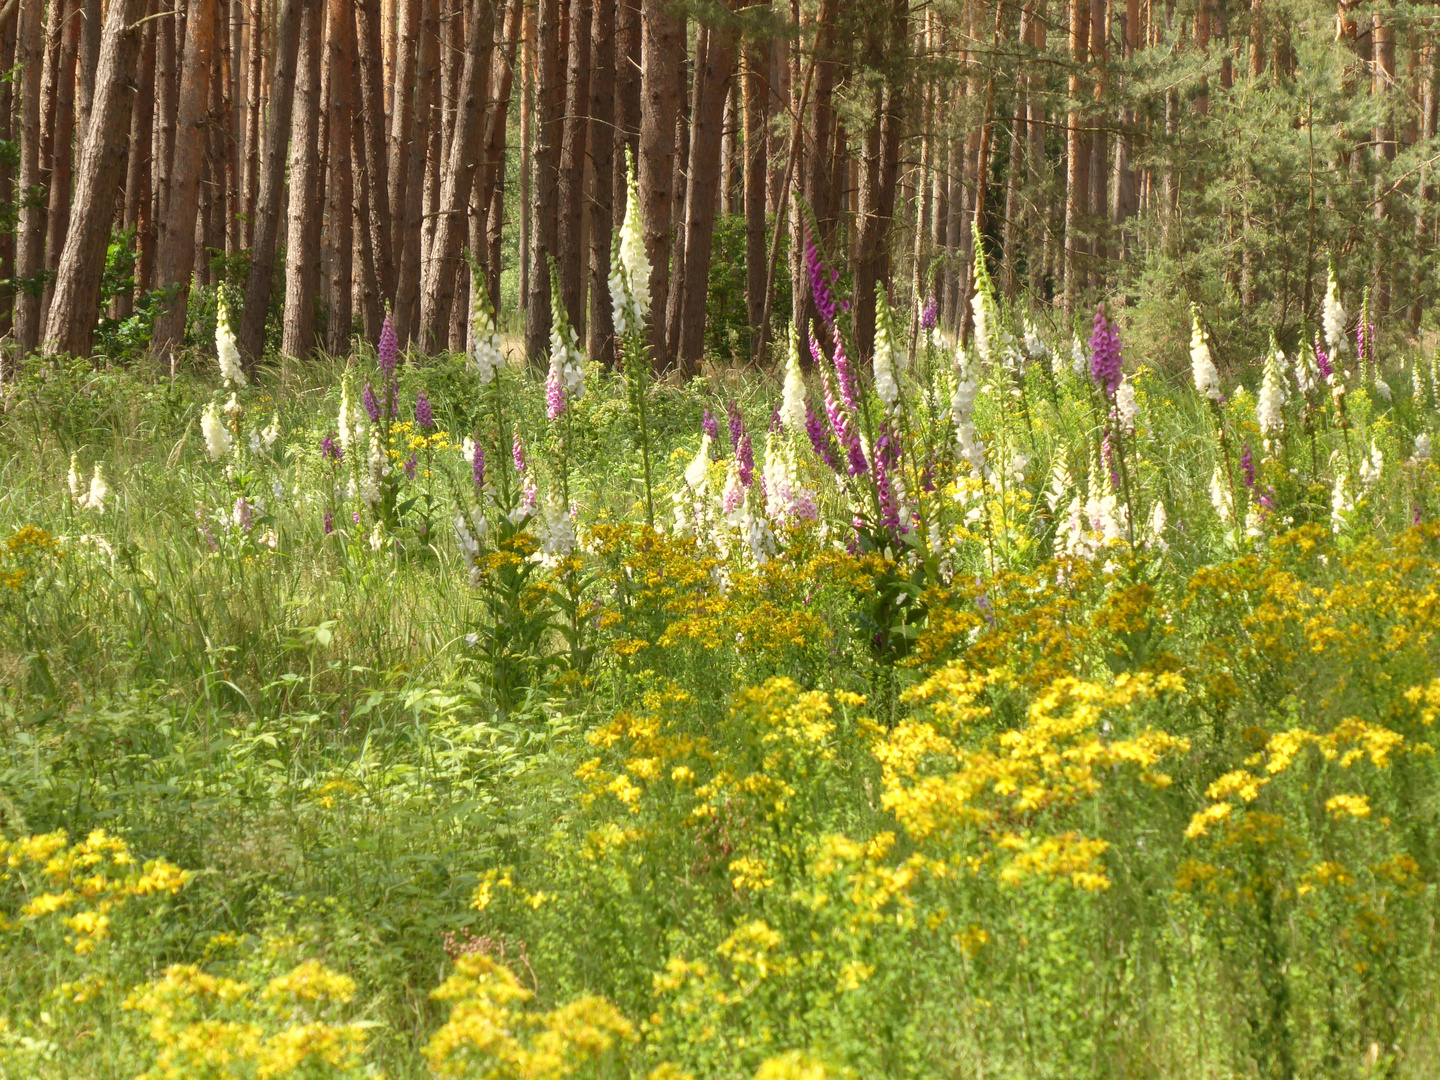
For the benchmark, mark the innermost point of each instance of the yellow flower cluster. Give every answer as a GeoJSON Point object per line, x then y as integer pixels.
{"type": "Point", "coordinates": [210, 1026]}
{"type": "Point", "coordinates": [46, 875]}
{"type": "Point", "coordinates": [489, 1032]}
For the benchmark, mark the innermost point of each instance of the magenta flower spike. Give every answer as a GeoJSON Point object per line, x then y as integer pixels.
{"type": "Point", "coordinates": [1105, 363]}
{"type": "Point", "coordinates": [424, 415]}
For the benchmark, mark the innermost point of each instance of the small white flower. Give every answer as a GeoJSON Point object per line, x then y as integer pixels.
{"type": "Point", "coordinates": [1220, 496]}
{"type": "Point", "coordinates": [1269, 406]}
{"type": "Point", "coordinates": [1334, 316]}
{"type": "Point", "coordinates": [485, 349]}
{"type": "Point", "coordinates": [699, 465]}
{"type": "Point", "coordinates": [99, 490]}
{"type": "Point", "coordinates": [1202, 366]}
{"type": "Point", "coordinates": [1157, 526]}
{"type": "Point", "coordinates": [1125, 406]}
{"type": "Point", "coordinates": [1372, 466]}
{"type": "Point", "coordinates": [217, 436]}
{"type": "Point", "coordinates": [271, 433]}
{"type": "Point", "coordinates": [630, 273]}
{"type": "Point", "coordinates": [1422, 447]}
{"type": "Point", "coordinates": [886, 387]}
{"type": "Point", "coordinates": [73, 479]}
{"type": "Point", "coordinates": [226, 350]}
{"type": "Point", "coordinates": [1383, 389]}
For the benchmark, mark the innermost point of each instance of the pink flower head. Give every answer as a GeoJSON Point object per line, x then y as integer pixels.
{"type": "Point", "coordinates": [1105, 363]}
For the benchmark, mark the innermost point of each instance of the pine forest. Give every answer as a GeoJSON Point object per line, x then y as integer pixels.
{"type": "Point", "coordinates": [719, 540]}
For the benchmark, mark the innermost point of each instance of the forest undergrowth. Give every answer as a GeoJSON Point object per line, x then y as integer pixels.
{"type": "Point", "coordinates": [1014, 709]}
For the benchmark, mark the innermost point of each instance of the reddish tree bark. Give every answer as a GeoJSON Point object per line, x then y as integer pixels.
{"type": "Point", "coordinates": [600, 331]}
{"type": "Point", "coordinates": [30, 243]}
{"type": "Point", "coordinates": [302, 248]}
{"type": "Point", "coordinates": [662, 52]}
{"type": "Point", "coordinates": [76, 303]}
{"type": "Point", "coordinates": [569, 257]}
{"type": "Point", "coordinates": [269, 206]}
{"type": "Point", "coordinates": [756, 172]}
{"type": "Point", "coordinates": [340, 188]}
{"type": "Point", "coordinates": [546, 180]}
{"type": "Point", "coordinates": [446, 262]}
{"type": "Point", "coordinates": [407, 290]}
{"type": "Point", "coordinates": [175, 252]}
{"type": "Point", "coordinates": [59, 106]}
{"type": "Point", "coordinates": [376, 229]}
{"type": "Point", "coordinates": [700, 203]}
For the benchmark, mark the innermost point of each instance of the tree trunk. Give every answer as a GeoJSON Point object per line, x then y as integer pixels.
{"type": "Point", "coordinates": [1010, 242]}
{"type": "Point", "coordinates": [136, 216]}
{"type": "Point", "coordinates": [30, 244]}
{"type": "Point", "coordinates": [269, 206]}
{"type": "Point", "coordinates": [176, 235]}
{"type": "Point", "coordinates": [302, 254]}
{"type": "Point", "coordinates": [718, 63]}
{"type": "Point", "coordinates": [492, 198]}
{"type": "Point", "coordinates": [340, 187]}
{"type": "Point", "coordinates": [628, 38]}
{"type": "Point", "coordinates": [62, 138]}
{"type": "Point", "coordinates": [76, 303]}
{"type": "Point", "coordinates": [757, 172]}
{"type": "Point", "coordinates": [546, 178]}
{"type": "Point", "coordinates": [662, 50]}
{"type": "Point", "coordinates": [89, 56]}
{"type": "Point", "coordinates": [1077, 163]}
{"type": "Point", "coordinates": [407, 288]}
{"type": "Point", "coordinates": [252, 122]}
{"type": "Point", "coordinates": [571, 194]}
{"type": "Point", "coordinates": [163, 150]}
{"type": "Point", "coordinates": [600, 331]}
{"type": "Point", "coordinates": [679, 184]}
{"type": "Point", "coordinates": [403, 142]}
{"type": "Point", "coordinates": [446, 262]}
{"type": "Point", "coordinates": [377, 229]}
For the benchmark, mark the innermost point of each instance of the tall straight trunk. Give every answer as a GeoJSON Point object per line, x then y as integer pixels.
{"type": "Point", "coordinates": [718, 66]}
{"type": "Point", "coordinates": [1385, 149]}
{"type": "Point", "coordinates": [403, 143]}
{"type": "Point", "coordinates": [377, 232]}
{"type": "Point", "coordinates": [175, 250]}
{"type": "Point", "coordinates": [166, 66]}
{"type": "Point", "coordinates": [212, 188]}
{"type": "Point", "coordinates": [628, 38]}
{"type": "Point", "coordinates": [452, 54]}
{"type": "Point", "coordinates": [728, 126]}
{"type": "Point", "coordinates": [1011, 233]}
{"type": "Point", "coordinates": [1038, 231]}
{"type": "Point", "coordinates": [446, 261]}
{"type": "Point", "coordinates": [662, 50]}
{"type": "Point", "coordinates": [30, 243]}
{"type": "Point", "coordinates": [491, 198]}
{"type": "Point", "coordinates": [9, 27]}
{"type": "Point", "coordinates": [430, 200]}
{"type": "Point", "coordinates": [756, 86]}
{"type": "Point", "coordinates": [302, 249]}
{"type": "Point", "coordinates": [76, 303]}
{"type": "Point", "coordinates": [253, 80]}
{"type": "Point", "coordinates": [1099, 140]}
{"type": "Point", "coordinates": [226, 134]}
{"type": "Point", "coordinates": [569, 257]}
{"type": "Point", "coordinates": [600, 330]}
{"type": "Point", "coordinates": [678, 185]}
{"type": "Point", "coordinates": [269, 204]}
{"type": "Point", "coordinates": [340, 186]}
{"type": "Point", "coordinates": [1077, 164]}
{"type": "Point", "coordinates": [527, 147]}
{"type": "Point", "coordinates": [817, 163]}
{"type": "Point", "coordinates": [426, 69]}
{"type": "Point", "coordinates": [89, 57]}
{"type": "Point", "coordinates": [136, 216]}
{"type": "Point", "coordinates": [61, 141]}
{"type": "Point", "coordinates": [1425, 185]}
{"type": "Point", "coordinates": [545, 152]}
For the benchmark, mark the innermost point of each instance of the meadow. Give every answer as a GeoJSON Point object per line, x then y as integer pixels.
{"type": "Point", "coordinates": [1020, 708]}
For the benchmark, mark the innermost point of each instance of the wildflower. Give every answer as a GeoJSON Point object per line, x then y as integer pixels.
{"type": "Point", "coordinates": [1322, 362]}
{"type": "Point", "coordinates": [1334, 315]}
{"type": "Point", "coordinates": [243, 515]}
{"type": "Point", "coordinates": [217, 437]}
{"type": "Point", "coordinates": [1156, 530]}
{"type": "Point", "coordinates": [1105, 354]}
{"type": "Point", "coordinates": [845, 435]}
{"type": "Point", "coordinates": [1202, 367]}
{"type": "Point", "coordinates": [351, 426]}
{"type": "Point", "coordinates": [424, 415]}
{"type": "Point", "coordinates": [1372, 466]}
{"type": "Point", "coordinates": [1220, 496]}
{"type": "Point", "coordinates": [695, 472]}
{"type": "Point", "coordinates": [1125, 408]}
{"type": "Point", "coordinates": [1078, 358]}
{"type": "Point", "coordinates": [466, 538]}
{"type": "Point", "coordinates": [477, 467]}
{"type": "Point", "coordinates": [485, 341]}
{"type": "Point", "coordinates": [1340, 503]}
{"type": "Point", "coordinates": [554, 391]}
{"type": "Point", "coordinates": [94, 499]}
{"type": "Point", "coordinates": [745, 460]}
{"type": "Point", "coordinates": [566, 359]}
{"type": "Point", "coordinates": [709, 426]}
{"type": "Point", "coordinates": [1060, 484]}
{"type": "Point", "coordinates": [785, 499]}
{"type": "Point", "coordinates": [819, 287]}
{"type": "Point", "coordinates": [820, 440]}
{"type": "Point", "coordinates": [411, 463]}
{"type": "Point", "coordinates": [227, 352]}
{"type": "Point", "coordinates": [517, 453]}
{"type": "Point", "coordinates": [1422, 448]}
{"type": "Point", "coordinates": [982, 304]}
{"type": "Point", "coordinates": [630, 271]}
{"type": "Point", "coordinates": [372, 407]}
{"type": "Point", "coordinates": [792, 403]}
{"type": "Point", "coordinates": [1247, 467]}
{"type": "Point", "coordinates": [928, 313]}
{"type": "Point", "coordinates": [329, 451]}
{"type": "Point", "coordinates": [1268, 406]}
{"type": "Point", "coordinates": [962, 411]}
{"type": "Point", "coordinates": [387, 349]}
{"type": "Point", "coordinates": [737, 426]}
{"type": "Point", "coordinates": [377, 537]}
{"type": "Point", "coordinates": [844, 373]}
{"type": "Point", "coordinates": [73, 477]}
{"type": "Point", "coordinates": [1307, 372]}
{"type": "Point", "coordinates": [883, 364]}
{"type": "Point", "coordinates": [1034, 344]}
{"type": "Point", "coordinates": [1383, 388]}
{"type": "Point", "coordinates": [329, 522]}
{"type": "Point", "coordinates": [1107, 455]}
{"type": "Point", "coordinates": [271, 433]}
{"type": "Point", "coordinates": [1417, 386]}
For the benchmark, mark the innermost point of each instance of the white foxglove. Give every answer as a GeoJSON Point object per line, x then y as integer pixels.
{"type": "Point", "coordinates": [217, 436]}
{"type": "Point", "coordinates": [792, 403]}
{"type": "Point", "coordinates": [1202, 366]}
{"type": "Point", "coordinates": [225, 347]}
{"type": "Point", "coordinates": [1334, 316]}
